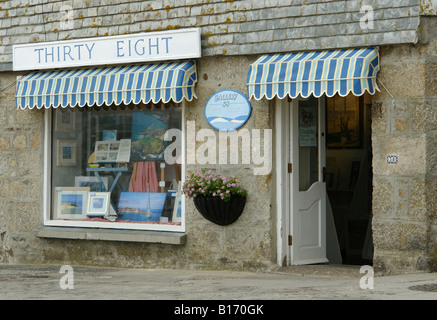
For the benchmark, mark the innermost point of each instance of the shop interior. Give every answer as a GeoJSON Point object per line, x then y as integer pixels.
{"type": "Point", "coordinates": [349, 175]}
{"type": "Point", "coordinates": [117, 150]}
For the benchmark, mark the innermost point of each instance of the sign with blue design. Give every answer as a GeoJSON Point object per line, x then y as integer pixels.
{"type": "Point", "coordinates": [227, 110]}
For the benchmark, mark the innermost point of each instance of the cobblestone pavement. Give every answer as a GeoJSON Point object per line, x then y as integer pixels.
{"type": "Point", "coordinates": [46, 282]}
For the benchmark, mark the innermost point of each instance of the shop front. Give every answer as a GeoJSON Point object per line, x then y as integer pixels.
{"type": "Point", "coordinates": [117, 123]}
{"type": "Point", "coordinates": [111, 132]}
{"type": "Point", "coordinates": [117, 131]}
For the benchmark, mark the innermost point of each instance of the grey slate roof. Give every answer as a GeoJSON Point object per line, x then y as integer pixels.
{"type": "Point", "coordinates": [228, 27]}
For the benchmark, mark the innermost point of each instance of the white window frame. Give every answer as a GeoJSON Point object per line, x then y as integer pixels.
{"type": "Point", "coordinates": [47, 187]}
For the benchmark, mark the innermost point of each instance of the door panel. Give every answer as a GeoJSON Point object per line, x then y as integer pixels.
{"type": "Point", "coordinates": [309, 217]}
{"type": "Point", "coordinates": [308, 189]}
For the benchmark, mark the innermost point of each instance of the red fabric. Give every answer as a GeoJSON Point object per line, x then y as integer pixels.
{"type": "Point", "coordinates": [145, 174]}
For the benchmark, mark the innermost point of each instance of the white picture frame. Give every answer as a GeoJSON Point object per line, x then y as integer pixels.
{"type": "Point", "coordinates": [98, 203]}
{"type": "Point", "coordinates": [71, 203]}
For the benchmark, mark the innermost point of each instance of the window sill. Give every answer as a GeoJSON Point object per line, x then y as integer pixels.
{"type": "Point", "coordinates": [176, 238]}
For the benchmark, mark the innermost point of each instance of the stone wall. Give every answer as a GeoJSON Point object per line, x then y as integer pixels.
{"type": "Point", "coordinates": [404, 194]}
{"type": "Point", "coordinates": [248, 242]}
{"type": "Point", "coordinates": [20, 173]}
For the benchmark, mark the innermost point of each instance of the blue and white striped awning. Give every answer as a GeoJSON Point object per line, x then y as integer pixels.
{"type": "Point", "coordinates": [155, 83]}
{"type": "Point", "coordinates": [317, 73]}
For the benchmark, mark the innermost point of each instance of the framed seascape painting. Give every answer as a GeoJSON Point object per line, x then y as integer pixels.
{"type": "Point", "coordinates": [70, 202]}
{"type": "Point", "coordinates": [141, 206]}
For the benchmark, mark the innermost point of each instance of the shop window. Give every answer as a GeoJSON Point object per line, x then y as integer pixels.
{"type": "Point", "coordinates": [109, 169]}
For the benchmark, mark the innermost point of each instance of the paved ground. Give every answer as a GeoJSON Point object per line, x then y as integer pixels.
{"type": "Point", "coordinates": [45, 282]}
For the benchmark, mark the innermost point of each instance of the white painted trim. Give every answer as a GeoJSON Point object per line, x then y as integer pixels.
{"type": "Point", "coordinates": [47, 165]}
{"type": "Point", "coordinates": [282, 181]}
{"type": "Point", "coordinates": [183, 167]}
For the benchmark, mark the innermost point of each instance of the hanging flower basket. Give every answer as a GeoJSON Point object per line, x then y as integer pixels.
{"type": "Point", "coordinates": [219, 211]}
{"type": "Point", "coordinates": [218, 199]}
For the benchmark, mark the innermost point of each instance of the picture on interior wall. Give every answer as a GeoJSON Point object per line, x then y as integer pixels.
{"type": "Point", "coordinates": [344, 122]}
{"type": "Point", "coordinates": [177, 210]}
{"type": "Point", "coordinates": [109, 135]}
{"type": "Point", "coordinates": [148, 130]}
{"type": "Point", "coordinates": [66, 153]}
{"type": "Point", "coordinates": [65, 121]}
{"type": "Point", "coordinates": [70, 202]}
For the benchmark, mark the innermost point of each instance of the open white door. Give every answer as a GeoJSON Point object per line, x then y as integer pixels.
{"type": "Point", "coordinates": [307, 182]}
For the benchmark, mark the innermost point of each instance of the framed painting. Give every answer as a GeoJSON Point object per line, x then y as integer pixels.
{"type": "Point", "coordinates": [344, 122]}
{"type": "Point", "coordinates": [109, 135]}
{"type": "Point", "coordinates": [66, 153]}
{"type": "Point", "coordinates": [98, 204]}
{"type": "Point", "coordinates": [91, 182]}
{"type": "Point", "coordinates": [141, 206]}
{"type": "Point", "coordinates": [65, 120]}
{"type": "Point", "coordinates": [70, 202]}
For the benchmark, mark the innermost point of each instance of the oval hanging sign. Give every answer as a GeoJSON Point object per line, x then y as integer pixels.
{"type": "Point", "coordinates": [227, 110]}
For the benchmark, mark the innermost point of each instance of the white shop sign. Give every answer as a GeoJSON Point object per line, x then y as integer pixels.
{"type": "Point", "coordinates": [141, 47]}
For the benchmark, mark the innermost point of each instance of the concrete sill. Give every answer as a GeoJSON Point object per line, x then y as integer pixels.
{"type": "Point", "coordinates": [177, 238]}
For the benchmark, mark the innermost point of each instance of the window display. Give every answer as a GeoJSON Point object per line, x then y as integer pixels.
{"type": "Point", "coordinates": [108, 167]}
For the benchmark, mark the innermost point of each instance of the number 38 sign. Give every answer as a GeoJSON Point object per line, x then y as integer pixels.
{"type": "Point", "coordinates": [227, 110]}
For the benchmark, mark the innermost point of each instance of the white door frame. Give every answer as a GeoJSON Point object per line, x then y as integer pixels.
{"type": "Point", "coordinates": [282, 133]}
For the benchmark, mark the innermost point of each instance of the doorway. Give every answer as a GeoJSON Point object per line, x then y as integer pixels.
{"type": "Point", "coordinates": [329, 180]}
{"type": "Point", "coordinates": [349, 175]}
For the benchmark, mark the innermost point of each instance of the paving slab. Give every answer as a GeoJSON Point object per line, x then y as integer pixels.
{"type": "Point", "coordinates": [50, 282]}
